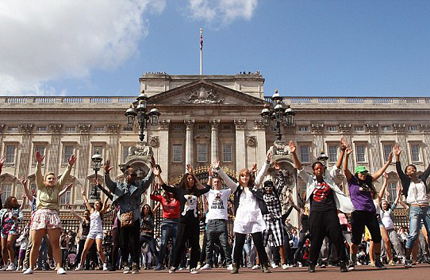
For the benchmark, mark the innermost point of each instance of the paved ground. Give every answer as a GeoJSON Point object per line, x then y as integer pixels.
{"type": "Point", "coordinates": [421, 271]}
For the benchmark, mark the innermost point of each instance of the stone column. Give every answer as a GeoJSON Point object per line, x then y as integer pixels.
{"type": "Point", "coordinates": [425, 129]}
{"type": "Point", "coordinates": [189, 142]}
{"type": "Point", "coordinates": [318, 130]}
{"type": "Point", "coordinates": [241, 156]}
{"type": "Point", "coordinates": [84, 158]}
{"type": "Point", "coordinates": [400, 130]}
{"type": "Point", "coordinates": [54, 152]}
{"type": "Point", "coordinates": [214, 140]}
{"type": "Point", "coordinates": [112, 151]}
{"type": "Point", "coordinates": [163, 155]}
{"type": "Point", "coordinates": [374, 148]}
{"type": "Point", "coordinates": [24, 160]}
{"type": "Point", "coordinates": [261, 148]}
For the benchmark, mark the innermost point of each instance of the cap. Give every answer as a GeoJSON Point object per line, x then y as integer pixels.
{"type": "Point", "coordinates": [360, 169]}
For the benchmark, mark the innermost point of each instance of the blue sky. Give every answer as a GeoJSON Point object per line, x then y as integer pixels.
{"type": "Point", "coordinates": [301, 47]}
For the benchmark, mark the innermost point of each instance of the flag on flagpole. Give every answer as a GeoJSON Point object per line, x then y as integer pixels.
{"type": "Point", "coordinates": [201, 39]}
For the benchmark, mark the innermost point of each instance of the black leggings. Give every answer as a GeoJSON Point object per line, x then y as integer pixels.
{"type": "Point", "coordinates": [115, 247]}
{"type": "Point", "coordinates": [258, 242]}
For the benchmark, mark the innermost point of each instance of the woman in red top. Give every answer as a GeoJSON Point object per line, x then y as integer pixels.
{"type": "Point", "coordinates": [169, 226]}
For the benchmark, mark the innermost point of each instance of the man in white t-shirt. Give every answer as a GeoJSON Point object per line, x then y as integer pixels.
{"type": "Point", "coordinates": [216, 221]}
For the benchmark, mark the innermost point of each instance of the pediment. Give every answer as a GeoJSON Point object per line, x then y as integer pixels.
{"type": "Point", "coordinates": [204, 93]}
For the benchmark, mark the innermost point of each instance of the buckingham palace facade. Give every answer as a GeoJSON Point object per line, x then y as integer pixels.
{"type": "Point", "coordinates": [203, 118]}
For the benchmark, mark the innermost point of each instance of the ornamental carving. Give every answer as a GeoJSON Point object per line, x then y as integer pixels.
{"type": "Point", "coordinates": [139, 150]}
{"type": "Point", "coordinates": [203, 96]}
{"type": "Point", "coordinates": [154, 141]}
{"type": "Point", "coordinates": [423, 128]}
{"type": "Point", "coordinates": [240, 124]}
{"type": "Point", "coordinates": [214, 123]}
{"type": "Point", "coordinates": [399, 127]}
{"type": "Point", "coordinates": [164, 125]}
{"type": "Point", "coordinates": [84, 128]}
{"type": "Point", "coordinates": [372, 127]}
{"type": "Point", "coordinates": [280, 148]}
{"type": "Point", "coordinates": [189, 123]}
{"type": "Point", "coordinates": [55, 128]}
{"type": "Point", "coordinates": [317, 128]}
{"type": "Point", "coordinates": [26, 128]}
{"type": "Point", "coordinates": [345, 127]}
{"type": "Point", "coordinates": [259, 124]}
{"type": "Point", "coordinates": [251, 141]}
{"type": "Point", "coordinates": [113, 128]}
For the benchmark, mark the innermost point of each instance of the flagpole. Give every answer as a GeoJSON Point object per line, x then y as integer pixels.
{"type": "Point", "coordinates": [201, 51]}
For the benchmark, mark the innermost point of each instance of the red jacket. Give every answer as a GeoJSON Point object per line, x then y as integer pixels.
{"type": "Point", "coordinates": [170, 209]}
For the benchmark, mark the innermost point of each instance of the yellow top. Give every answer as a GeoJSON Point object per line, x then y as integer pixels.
{"type": "Point", "coordinates": [47, 197]}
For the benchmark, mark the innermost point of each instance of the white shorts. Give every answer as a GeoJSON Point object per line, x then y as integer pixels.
{"type": "Point", "coordinates": [95, 235]}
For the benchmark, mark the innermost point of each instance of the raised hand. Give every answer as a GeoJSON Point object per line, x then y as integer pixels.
{"type": "Point", "coordinates": [386, 175]}
{"type": "Point", "coordinates": [107, 166]}
{"type": "Point", "coordinates": [268, 156]}
{"type": "Point", "coordinates": [152, 161]}
{"type": "Point", "coordinates": [396, 149]}
{"type": "Point", "coordinates": [68, 206]}
{"type": "Point", "coordinates": [215, 164]}
{"type": "Point", "coordinates": [210, 171]}
{"type": "Point", "coordinates": [348, 150]}
{"type": "Point", "coordinates": [190, 169]}
{"type": "Point", "coordinates": [2, 161]}
{"type": "Point", "coordinates": [343, 145]}
{"type": "Point", "coordinates": [390, 157]}
{"type": "Point", "coordinates": [39, 157]}
{"type": "Point", "coordinates": [292, 147]}
{"type": "Point", "coordinates": [69, 186]}
{"type": "Point", "coordinates": [83, 192]}
{"type": "Point", "coordinates": [23, 181]}
{"type": "Point", "coordinates": [254, 168]}
{"type": "Point", "coordinates": [72, 160]}
{"type": "Point", "coordinates": [276, 165]}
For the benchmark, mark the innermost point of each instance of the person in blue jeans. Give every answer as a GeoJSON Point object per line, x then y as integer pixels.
{"type": "Point", "coordinates": [169, 225]}
{"type": "Point", "coordinates": [416, 192]}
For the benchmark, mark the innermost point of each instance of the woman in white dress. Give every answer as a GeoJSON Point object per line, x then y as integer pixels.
{"type": "Point", "coordinates": [249, 209]}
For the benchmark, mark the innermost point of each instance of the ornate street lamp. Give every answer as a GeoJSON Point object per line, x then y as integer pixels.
{"type": "Point", "coordinates": [96, 160]}
{"type": "Point", "coordinates": [142, 115]}
{"type": "Point", "coordinates": [279, 114]}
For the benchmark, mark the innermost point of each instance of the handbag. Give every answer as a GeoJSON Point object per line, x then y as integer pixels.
{"type": "Point", "coordinates": [126, 219]}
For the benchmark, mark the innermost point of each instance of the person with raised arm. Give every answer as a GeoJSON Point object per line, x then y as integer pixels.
{"type": "Point", "coordinates": [46, 219]}
{"type": "Point", "coordinates": [249, 209]}
{"type": "Point", "coordinates": [216, 218]}
{"type": "Point", "coordinates": [325, 197]}
{"type": "Point", "coordinates": [417, 194]}
{"type": "Point", "coordinates": [84, 229]}
{"type": "Point", "coordinates": [128, 195]}
{"type": "Point", "coordinates": [187, 193]}
{"type": "Point", "coordinates": [362, 192]}
{"type": "Point", "coordinates": [96, 230]}
{"type": "Point", "coordinates": [169, 226]}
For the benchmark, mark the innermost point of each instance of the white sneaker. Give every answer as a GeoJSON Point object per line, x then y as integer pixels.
{"type": "Point", "coordinates": [230, 267]}
{"type": "Point", "coordinates": [79, 267]}
{"type": "Point", "coordinates": [105, 267]}
{"type": "Point", "coordinates": [19, 268]}
{"type": "Point", "coordinates": [193, 271]}
{"type": "Point", "coordinates": [273, 265]}
{"type": "Point", "coordinates": [61, 271]}
{"type": "Point", "coordinates": [3, 268]}
{"type": "Point", "coordinates": [28, 271]}
{"type": "Point", "coordinates": [206, 267]}
{"type": "Point", "coordinates": [255, 267]}
{"type": "Point", "coordinates": [11, 267]}
{"type": "Point", "coordinates": [285, 266]}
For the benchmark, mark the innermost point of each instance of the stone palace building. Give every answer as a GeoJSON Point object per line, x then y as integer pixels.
{"type": "Point", "coordinates": [203, 118]}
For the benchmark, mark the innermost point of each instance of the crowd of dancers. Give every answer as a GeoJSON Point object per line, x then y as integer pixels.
{"type": "Point", "coordinates": [338, 228]}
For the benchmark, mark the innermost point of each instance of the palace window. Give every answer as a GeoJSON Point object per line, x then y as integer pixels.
{"type": "Point", "coordinates": [304, 153]}
{"type": "Point", "coordinates": [227, 153]}
{"type": "Point", "coordinates": [387, 150]}
{"type": "Point", "coordinates": [10, 154]}
{"type": "Point", "coordinates": [68, 152]}
{"type": "Point", "coordinates": [202, 152]}
{"type": "Point", "coordinates": [7, 191]}
{"type": "Point", "coordinates": [177, 152]}
{"type": "Point", "coordinates": [361, 153]}
{"type": "Point", "coordinates": [332, 153]}
{"type": "Point", "coordinates": [415, 152]}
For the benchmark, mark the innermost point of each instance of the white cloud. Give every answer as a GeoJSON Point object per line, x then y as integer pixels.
{"type": "Point", "coordinates": [222, 11]}
{"type": "Point", "coordinates": [48, 39]}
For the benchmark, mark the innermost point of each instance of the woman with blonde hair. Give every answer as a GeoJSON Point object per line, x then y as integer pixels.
{"type": "Point", "coordinates": [46, 219]}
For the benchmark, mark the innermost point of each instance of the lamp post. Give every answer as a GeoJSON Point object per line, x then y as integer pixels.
{"type": "Point", "coordinates": [279, 113]}
{"type": "Point", "coordinates": [96, 160]}
{"type": "Point", "coordinates": [140, 111]}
